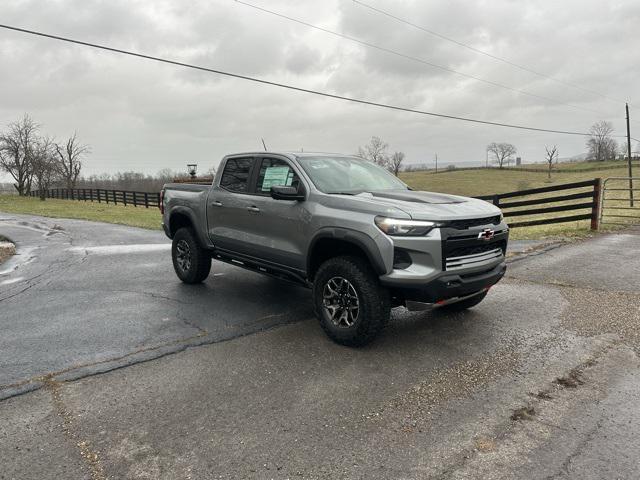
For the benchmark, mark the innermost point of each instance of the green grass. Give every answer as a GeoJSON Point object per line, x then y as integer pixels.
{"type": "Point", "coordinates": [493, 180]}
{"type": "Point", "coordinates": [99, 212]}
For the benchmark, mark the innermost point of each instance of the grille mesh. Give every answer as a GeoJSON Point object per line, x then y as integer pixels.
{"type": "Point", "coordinates": [474, 222]}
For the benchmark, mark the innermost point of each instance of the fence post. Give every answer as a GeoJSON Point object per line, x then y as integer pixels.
{"type": "Point", "coordinates": [124, 198]}
{"type": "Point", "coordinates": [158, 199]}
{"type": "Point", "coordinates": [595, 209]}
{"type": "Point", "coordinates": [496, 200]}
{"type": "Point", "coordinates": [135, 202]}
{"type": "Point", "coordinates": [115, 200]}
{"type": "Point", "coordinates": [146, 200]}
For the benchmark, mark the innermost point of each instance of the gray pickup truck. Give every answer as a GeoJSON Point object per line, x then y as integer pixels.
{"type": "Point", "coordinates": [356, 235]}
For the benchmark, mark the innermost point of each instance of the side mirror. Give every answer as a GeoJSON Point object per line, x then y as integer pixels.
{"type": "Point", "coordinates": [283, 192]}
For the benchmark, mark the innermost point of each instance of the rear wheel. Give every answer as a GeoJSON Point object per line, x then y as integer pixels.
{"type": "Point", "coordinates": [350, 304]}
{"type": "Point", "coordinates": [464, 304]}
{"type": "Point", "coordinates": [191, 262]}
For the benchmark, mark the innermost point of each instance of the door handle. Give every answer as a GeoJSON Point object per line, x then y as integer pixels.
{"type": "Point", "coordinates": [253, 209]}
{"type": "Point", "coordinates": [216, 203]}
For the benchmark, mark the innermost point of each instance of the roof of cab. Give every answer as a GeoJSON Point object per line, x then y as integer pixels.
{"type": "Point", "coordinates": [289, 154]}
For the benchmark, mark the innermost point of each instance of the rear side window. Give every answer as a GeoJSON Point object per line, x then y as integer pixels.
{"type": "Point", "coordinates": [274, 171]}
{"type": "Point", "coordinates": [235, 176]}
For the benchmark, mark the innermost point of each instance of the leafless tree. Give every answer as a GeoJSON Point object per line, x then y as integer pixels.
{"type": "Point", "coordinates": [395, 163]}
{"type": "Point", "coordinates": [45, 166]}
{"type": "Point", "coordinates": [552, 152]}
{"type": "Point", "coordinates": [16, 152]}
{"type": "Point", "coordinates": [376, 151]}
{"type": "Point", "coordinates": [70, 159]}
{"type": "Point", "coordinates": [502, 152]}
{"type": "Point", "coordinates": [600, 145]}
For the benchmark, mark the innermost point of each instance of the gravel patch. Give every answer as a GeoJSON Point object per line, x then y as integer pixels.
{"type": "Point", "coordinates": [7, 249]}
{"type": "Point", "coordinates": [594, 312]}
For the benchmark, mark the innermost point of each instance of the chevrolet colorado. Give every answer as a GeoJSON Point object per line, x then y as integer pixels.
{"type": "Point", "coordinates": [346, 228]}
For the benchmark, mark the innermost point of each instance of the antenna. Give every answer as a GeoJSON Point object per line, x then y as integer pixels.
{"type": "Point", "coordinates": [264, 145]}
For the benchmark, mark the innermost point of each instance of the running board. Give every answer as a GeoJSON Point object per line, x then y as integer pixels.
{"type": "Point", "coordinates": [255, 265]}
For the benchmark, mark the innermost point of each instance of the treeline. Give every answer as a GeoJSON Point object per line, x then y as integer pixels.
{"type": "Point", "coordinates": [131, 181]}
{"type": "Point", "coordinates": [37, 161]}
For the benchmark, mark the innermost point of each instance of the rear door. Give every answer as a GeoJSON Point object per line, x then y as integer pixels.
{"type": "Point", "coordinates": [228, 206]}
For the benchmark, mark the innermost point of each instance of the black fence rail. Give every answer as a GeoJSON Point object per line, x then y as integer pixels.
{"type": "Point", "coordinates": [587, 200]}
{"type": "Point", "coordinates": [102, 195]}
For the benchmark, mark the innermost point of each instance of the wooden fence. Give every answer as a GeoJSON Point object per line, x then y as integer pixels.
{"type": "Point", "coordinates": [102, 195]}
{"type": "Point", "coordinates": [588, 200]}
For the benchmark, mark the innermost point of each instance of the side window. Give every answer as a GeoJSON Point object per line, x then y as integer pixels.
{"type": "Point", "coordinates": [235, 176]}
{"type": "Point", "coordinates": [274, 171]}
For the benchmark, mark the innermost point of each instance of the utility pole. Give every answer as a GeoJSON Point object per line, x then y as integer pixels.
{"type": "Point", "coordinates": [486, 163]}
{"type": "Point", "coordinates": [436, 163]}
{"type": "Point", "coordinates": [629, 159]}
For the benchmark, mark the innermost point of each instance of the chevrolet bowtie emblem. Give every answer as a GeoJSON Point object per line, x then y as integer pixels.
{"type": "Point", "coordinates": [486, 234]}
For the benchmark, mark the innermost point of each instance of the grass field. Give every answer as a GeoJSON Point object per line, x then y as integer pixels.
{"type": "Point", "coordinates": [461, 182]}
{"type": "Point", "coordinates": [100, 212]}
{"type": "Point", "coordinates": [493, 180]}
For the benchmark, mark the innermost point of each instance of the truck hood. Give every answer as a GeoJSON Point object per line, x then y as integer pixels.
{"type": "Point", "coordinates": [421, 205]}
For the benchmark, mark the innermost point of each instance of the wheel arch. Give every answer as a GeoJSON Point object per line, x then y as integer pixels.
{"type": "Point", "coordinates": [182, 217]}
{"type": "Point", "coordinates": [333, 242]}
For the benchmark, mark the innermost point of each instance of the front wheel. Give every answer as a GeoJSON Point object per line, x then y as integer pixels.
{"type": "Point", "coordinates": [191, 262]}
{"type": "Point", "coordinates": [350, 303]}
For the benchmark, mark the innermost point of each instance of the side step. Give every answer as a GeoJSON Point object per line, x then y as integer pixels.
{"type": "Point", "coordinates": [255, 265]}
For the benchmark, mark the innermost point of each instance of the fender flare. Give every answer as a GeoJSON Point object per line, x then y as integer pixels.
{"type": "Point", "coordinates": [187, 212]}
{"type": "Point", "coordinates": [359, 239]}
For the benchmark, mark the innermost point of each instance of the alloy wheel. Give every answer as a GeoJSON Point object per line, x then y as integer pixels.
{"type": "Point", "coordinates": [340, 302]}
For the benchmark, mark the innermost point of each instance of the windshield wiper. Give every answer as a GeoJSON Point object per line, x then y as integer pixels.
{"type": "Point", "coordinates": [344, 193]}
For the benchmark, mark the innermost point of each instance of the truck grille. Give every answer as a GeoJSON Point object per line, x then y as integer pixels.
{"type": "Point", "coordinates": [474, 222]}
{"type": "Point", "coordinates": [473, 255]}
{"type": "Point", "coordinates": [474, 260]}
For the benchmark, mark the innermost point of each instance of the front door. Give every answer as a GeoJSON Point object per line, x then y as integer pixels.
{"type": "Point", "coordinates": [278, 226]}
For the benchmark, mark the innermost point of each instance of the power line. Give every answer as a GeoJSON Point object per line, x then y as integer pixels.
{"type": "Point", "coordinates": [283, 85]}
{"type": "Point", "coordinates": [414, 59]}
{"type": "Point", "coordinates": [482, 52]}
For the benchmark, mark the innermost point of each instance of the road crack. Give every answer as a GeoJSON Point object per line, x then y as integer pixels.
{"type": "Point", "coordinates": [71, 431]}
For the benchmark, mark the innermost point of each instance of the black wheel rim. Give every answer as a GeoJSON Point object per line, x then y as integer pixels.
{"type": "Point", "coordinates": [340, 302]}
{"type": "Point", "coordinates": [183, 255]}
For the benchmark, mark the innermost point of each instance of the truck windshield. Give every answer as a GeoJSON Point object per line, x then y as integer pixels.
{"type": "Point", "coordinates": [348, 175]}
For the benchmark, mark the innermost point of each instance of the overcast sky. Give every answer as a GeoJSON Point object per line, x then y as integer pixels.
{"type": "Point", "coordinates": [144, 116]}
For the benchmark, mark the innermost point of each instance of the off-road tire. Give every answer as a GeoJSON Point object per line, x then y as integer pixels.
{"type": "Point", "coordinates": [464, 304]}
{"type": "Point", "coordinates": [199, 260]}
{"type": "Point", "coordinates": [374, 300]}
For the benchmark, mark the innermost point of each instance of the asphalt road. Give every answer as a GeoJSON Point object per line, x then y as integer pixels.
{"type": "Point", "coordinates": [541, 380]}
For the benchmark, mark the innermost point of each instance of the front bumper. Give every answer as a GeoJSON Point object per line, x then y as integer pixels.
{"type": "Point", "coordinates": [450, 285]}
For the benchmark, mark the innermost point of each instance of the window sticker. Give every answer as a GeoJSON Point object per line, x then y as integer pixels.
{"type": "Point", "coordinates": [276, 176]}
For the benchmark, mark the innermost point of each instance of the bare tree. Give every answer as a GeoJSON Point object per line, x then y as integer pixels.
{"type": "Point", "coordinates": [600, 145]}
{"type": "Point", "coordinates": [45, 166]}
{"type": "Point", "coordinates": [375, 151]}
{"type": "Point", "coordinates": [16, 152]}
{"type": "Point", "coordinates": [70, 159]}
{"type": "Point", "coordinates": [395, 163]}
{"type": "Point", "coordinates": [502, 152]}
{"type": "Point", "coordinates": [552, 152]}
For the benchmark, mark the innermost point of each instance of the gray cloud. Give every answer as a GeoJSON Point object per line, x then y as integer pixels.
{"type": "Point", "coordinates": [145, 116]}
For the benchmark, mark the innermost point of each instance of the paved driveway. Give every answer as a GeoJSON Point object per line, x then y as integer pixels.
{"type": "Point", "coordinates": [539, 381]}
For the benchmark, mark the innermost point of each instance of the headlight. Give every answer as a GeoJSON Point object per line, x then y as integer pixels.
{"type": "Point", "coordinates": [401, 227]}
